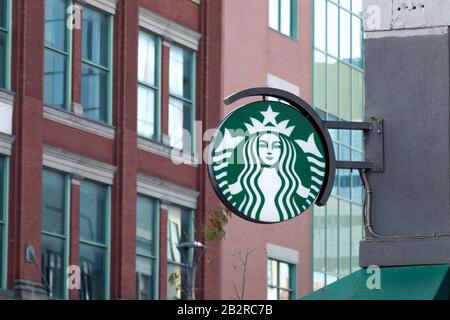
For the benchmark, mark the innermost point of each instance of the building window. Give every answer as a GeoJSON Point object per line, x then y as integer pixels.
{"type": "Point", "coordinates": [283, 15]}
{"type": "Point", "coordinates": [3, 219]}
{"type": "Point", "coordinates": [147, 247]}
{"type": "Point", "coordinates": [281, 280]}
{"type": "Point", "coordinates": [180, 228]}
{"type": "Point", "coordinates": [55, 241]}
{"type": "Point", "coordinates": [94, 241]}
{"type": "Point", "coordinates": [96, 65]}
{"type": "Point", "coordinates": [339, 95]}
{"type": "Point", "coordinates": [182, 98]}
{"type": "Point", "coordinates": [57, 61]}
{"type": "Point", "coordinates": [5, 43]}
{"type": "Point", "coordinates": [148, 125]}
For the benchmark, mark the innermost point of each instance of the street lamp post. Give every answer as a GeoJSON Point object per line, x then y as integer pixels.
{"type": "Point", "coordinates": [191, 252]}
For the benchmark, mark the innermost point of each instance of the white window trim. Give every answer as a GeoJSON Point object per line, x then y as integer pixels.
{"type": "Point", "coordinates": [108, 6]}
{"type": "Point", "coordinates": [167, 192]}
{"type": "Point", "coordinates": [165, 151]}
{"type": "Point", "coordinates": [6, 142]}
{"type": "Point", "coordinates": [169, 30]}
{"type": "Point", "coordinates": [72, 120]}
{"type": "Point", "coordinates": [80, 166]}
{"type": "Point", "coordinates": [282, 254]}
{"type": "Point", "coordinates": [6, 111]}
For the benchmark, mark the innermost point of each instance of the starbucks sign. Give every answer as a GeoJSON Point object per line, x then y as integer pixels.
{"type": "Point", "coordinates": [268, 161]}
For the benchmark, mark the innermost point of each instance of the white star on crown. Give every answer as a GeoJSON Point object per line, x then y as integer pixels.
{"type": "Point", "coordinates": [269, 118]}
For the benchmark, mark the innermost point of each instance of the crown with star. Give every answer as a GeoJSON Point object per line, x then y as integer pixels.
{"type": "Point", "coordinates": [269, 124]}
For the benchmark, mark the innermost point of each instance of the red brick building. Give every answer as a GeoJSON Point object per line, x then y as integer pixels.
{"type": "Point", "coordinates": [96, 102]}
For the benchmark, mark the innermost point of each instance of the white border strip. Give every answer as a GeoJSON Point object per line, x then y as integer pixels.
{"type": "Point", "coordinates": [68, 162]}
{"type": "Point", "coordinates": [282, 254]}
{"type": "Point", "coordinates": [168, 29]}
{"type": "Point", "coordinates": [167, 192]}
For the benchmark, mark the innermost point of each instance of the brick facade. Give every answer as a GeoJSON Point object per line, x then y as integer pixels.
{"type": "Point", "coordinates": [32, 132]}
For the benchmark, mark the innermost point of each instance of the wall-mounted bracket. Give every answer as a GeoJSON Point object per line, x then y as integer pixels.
{"type": "Point", "coordinates": [373, 133]}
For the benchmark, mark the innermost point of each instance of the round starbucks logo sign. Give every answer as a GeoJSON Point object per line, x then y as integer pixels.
{"type": "Point", "coordinates": [268, 162]}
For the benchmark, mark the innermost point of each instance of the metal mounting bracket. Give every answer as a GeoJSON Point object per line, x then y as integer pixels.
{"type": "Point", "coordinates": [373, 135]}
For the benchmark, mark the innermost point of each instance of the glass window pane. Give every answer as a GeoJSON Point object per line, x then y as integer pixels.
{"type": "Point", "coordinates": [147, 58]}
{"type": "Point", "coordinates": [3, 14]}
{"type": "Point", "coordinates": [93, 272]}
{"type": "Point", "coordinates": [274, 273]}
{"type": "Point", "coordinates": [272, 294]}
{"type": "Point", "coordinates": [53, 202]}
{"type": "Point", "coordinates": [333, 30]}
{"type": "Point", "coordinates": [55, 24]}
{"type": "Point", "coordinates": [332, 86]}
{"type": "Point", "coordinates": [345, 91]}
{"type": "Point", "coordinates": [344, 182]}
{"type": "Point", "coordinates": [320, 78]}
{"type": "Point", "coordinates": [145, 226]}
{"type": "Point", "coordinates": [318, 281]}
{"type": "Point", "coordinates": [357, 42]}
{"type": "Point", "coordinates": [2, 188]}
{"type": "Point", "coordinates": [344, 137]}
{"type": "Point", "coordinates": [3, 50]}
{"type": "Point", "coordinates": [180, 119]}
{"type": "Point", "coordinates": [145, 278]}
{"type": "Point", "coordinates": [332, 236]}
{"type": "Point", "coordinates": [357, 6]}
{"type": "Point", "coordinates": [319, 234]}
{"type": "Point", "coordinates": [320, 23]}
{"type": "Point", "coordinates": [93, 212]}
{"type": "Point", "coordinates": [285, 295]}
{"type": "Point", "coordinates": [54, 78]}
{"type": "Point", "coordinates": [53, 265]}
{"type": "Point", "coordinates": [357, 190]}
{"type": "Point", "coordinates": [146, 112]}
{"type": "Point", "coordinates": [284, 276]}
{"type": "Point", "coordinates": [344, 238]}
{"type": "Point", "coordinates": [95, 37]}
{"type": "Point", "coordinates": [357, 95]}
{"type": "Point", "coordinates": [174, 289]}
{"type": "Point", "coordinates": [176, 123]}
{"type": "Point", "coordinates": [357, 229]}
{"type": "Point", "coordinates": [179, 229]}
{"type": "Point", "coordinates": [273, 14]}
{"type": "Point", "coordinates": [357, 139]}
{"type": "Point", "coordinates": [1, 255]}
{"type": "Point", "coordinates": [2, 215]}
{"type": "Point", "coordinates": [94, 93]}
{"type": "Point", "coordinates": [346, 4]}
{"type": "Point", "coordinates": [181, 82]}
{"type": "Point", "coordinates": [345, 36]}
{"type": "Point", "coordinates": [285, 8]}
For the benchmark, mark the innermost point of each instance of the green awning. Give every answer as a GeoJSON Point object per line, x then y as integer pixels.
{"type": "Point", "coordinates": [430, 282]}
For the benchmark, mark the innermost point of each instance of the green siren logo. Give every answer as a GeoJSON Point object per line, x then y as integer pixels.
{"type": "Point", "coordinates": [268, 162]}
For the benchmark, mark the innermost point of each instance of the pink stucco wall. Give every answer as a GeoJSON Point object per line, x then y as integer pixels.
{"type": "Point", "coordinates": [252, 51]}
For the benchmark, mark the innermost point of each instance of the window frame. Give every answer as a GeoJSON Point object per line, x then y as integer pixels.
{"type": "Point", "coordinates": [107, 245]}
{"type": "Point", "coordinates": [8, 57]}
{"type": "Point", "coordinates": [109, 69]}
{"type": "Point", "coordinates": [69, 65]}
{"type": "Point", "coordinates": [66, 238]}
{"type": "Point", "coordinates": [4, 221]}
{"type": "Point", "coordinates": [292, 279]}
{"type": "Point", "coordinates": [157, 88]}
{"type": "Point", "coordinates": [157, 241]}
{"type": "Point", "coordinates": [294, 15]}
{"type": "Point", "coordinates": [192, 102]}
